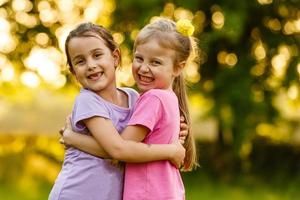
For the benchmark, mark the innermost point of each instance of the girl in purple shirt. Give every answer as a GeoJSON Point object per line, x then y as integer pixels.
{"type": "Point", "coordinates": [101, 109]}
{"type": "Point", "coordinates": [161, 51]}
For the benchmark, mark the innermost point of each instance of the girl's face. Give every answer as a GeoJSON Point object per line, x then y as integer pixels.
{"type": "Point", "coordinates": [153, 66]}
{"type": "Point", "coordinates": [93, 63]}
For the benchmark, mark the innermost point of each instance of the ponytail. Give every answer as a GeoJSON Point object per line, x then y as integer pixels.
{"type": "Point", "coordinates": [191, 159]}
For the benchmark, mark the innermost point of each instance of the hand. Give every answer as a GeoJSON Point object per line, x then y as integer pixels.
{"type": "Point", "coordinates": [183, 130]}
{"type": "Point", "coordinates": [179, 153]}
{"type": "Point", "coordinates": [67, 132]}
{"type": "Point", "coordinates": [61, 141]}
{"type": "Point", "coordinates": [67, 124]}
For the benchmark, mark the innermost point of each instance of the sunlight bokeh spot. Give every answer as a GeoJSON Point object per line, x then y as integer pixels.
{"type": "Point", "coordinates": [119, 38]}
{"type": "Point", "coordinates": [43, 5]}
{"type": "Point", "coordinates": [7, 42]}
{"type": "Point", "coordinates": [192, 74]}
{"type": "Point", "coordinates": [46, 62]}
{"type": "Point", "coordinates": [298, 68]}
{"type": "Point", "coordinates": [3, 2]}
{"type": "Point", "coordinates": [231, 59]}
{"type": "Point", "coordinates": [133, 34]}
{"type": "Point", "coordinates": [274, 24]}
{"type": "Point", "coordinates": [221, 57]}
{"type": "Point", "coordinates": [22, 5]}
{"type": "Point", "coordinates": [42, 39]}
{"type": "Point", "coordinates": [48, 16]}
{"type": "Point", "coordinates": [4, 25]}
{"type": "Point", "coordinates": [181, 13]}
{"type": "Point", "coordinates": [7, 73]}
{"type": "Point", "coordinates": [288, 28]}
{"type": "Point", "coordinates": [264, 2]}
{"type": "Point", "coordinates": [59, 81]}
{"type": "Point", "coordinates": [110, 6]}
{"type": "Point", "coordinates": [258, 69]}
{"type": "Point", "coordinates": [279, 64]}
{"type": "Point", "coordinates": [218, 20]}
{"type": "Point", "coordinates": [293, 91]}
{"type": "Point", "coordinates": [66, 5]}
{"type": "Point", "coordinates": [208, 85]}
{"type": "Point", "coordinates": [259, 51]}
{"type": "Point", "coordinates": [93, 10]}
{"type": "Point", "coordinates": [169, 10]}
{"type": "Point", "coordinates": [257, 93]}
{"type": "Point", "coordinates": [246, 149]}
{"type": "Point", "coordinates": [61, 34]}
{"type": "Point", "coordinates": [27, 20]}
{"type": "Point", "coordinates": [30, 79]}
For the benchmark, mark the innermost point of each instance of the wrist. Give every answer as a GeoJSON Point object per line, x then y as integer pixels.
{"type": "Point", "coordinates": [67, 137]}
{"type": "Point", "coordinates": [172, 149]}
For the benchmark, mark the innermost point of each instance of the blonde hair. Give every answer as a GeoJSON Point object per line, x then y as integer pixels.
{"type": "Point", "coordinates": [164, 30]}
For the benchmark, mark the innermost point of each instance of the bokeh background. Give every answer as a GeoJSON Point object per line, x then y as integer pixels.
{"type": "Point", "coordinates": [244, 92]}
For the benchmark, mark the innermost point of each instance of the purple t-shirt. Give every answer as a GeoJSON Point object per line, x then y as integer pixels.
{"type": "Point", "coordinates": [158, 111]}
{"type": "Point", "coordinates": [84, 176]}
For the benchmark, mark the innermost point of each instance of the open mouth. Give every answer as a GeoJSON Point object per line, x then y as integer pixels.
{"type": "Point", "coordinates": [95, 76]}
{"type": "Point", "coordinates": [145, 79]}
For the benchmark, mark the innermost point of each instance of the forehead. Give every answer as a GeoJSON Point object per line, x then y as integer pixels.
{"type": "Point", "coordinates": [154, 47]}
{"type": "Point", "coordinates": [86, 43]}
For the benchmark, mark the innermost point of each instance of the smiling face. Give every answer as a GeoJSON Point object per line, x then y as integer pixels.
{"type": "Point", "coordinates": [93, 63]}
{"type": "Point", "coordinates": [153, 66]}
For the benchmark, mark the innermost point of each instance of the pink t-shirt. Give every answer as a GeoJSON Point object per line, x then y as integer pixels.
{"type": "Point", "coordinates": [157, 110]}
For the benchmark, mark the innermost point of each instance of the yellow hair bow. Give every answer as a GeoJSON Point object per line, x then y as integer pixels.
{"type": "Point", "coordinates": [185, 27]}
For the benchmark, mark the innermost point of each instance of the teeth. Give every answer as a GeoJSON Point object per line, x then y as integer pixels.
{"type": "Point", "coordinates": [146, 79]}
{"type": "Point", "coordinates": [95, 76]}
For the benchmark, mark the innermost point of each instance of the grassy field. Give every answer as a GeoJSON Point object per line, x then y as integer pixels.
{"type": "Point", "coordinates": [30, 164]}
{"type": "Point", "coordinates": [198, 187]}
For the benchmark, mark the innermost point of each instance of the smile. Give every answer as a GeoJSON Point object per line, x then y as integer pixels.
{"type": "Point", "coordinates": [95, 76]}
{"type": "Point", "coordinates": [145, 79]}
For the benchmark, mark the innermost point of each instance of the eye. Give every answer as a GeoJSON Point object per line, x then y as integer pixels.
{"type": "Point", "coordinates": [138, 58]}
{"type": "Point", "coordinates": [155, 63]}
{"type": "Point", "coordinates": [79, 62]}
{"type": "Point", "coordinates": [97, 55]}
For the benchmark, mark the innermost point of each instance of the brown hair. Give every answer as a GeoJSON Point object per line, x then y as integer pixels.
{"type": "Point", "coordinates": [88, 30]}
{"type": "Point", "coordinates": [184, 46]}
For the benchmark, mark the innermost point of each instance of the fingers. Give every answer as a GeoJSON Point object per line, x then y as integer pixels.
{"type": "Point", "coordinates": [62, 130]}
{"type": "Point", "coordinates": [182, 140]}
{"type": "Point", "coordinates": [68, 122]}
{"type": "Point", "coordinates": [61, 141]}
{"type": "Point", "coordinates": [182, 119]}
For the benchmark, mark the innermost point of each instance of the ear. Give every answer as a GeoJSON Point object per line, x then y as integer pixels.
{"type": "Point", "coordinates": [117, 57]}
{"type": "Point", "coordinates": [179, 68]}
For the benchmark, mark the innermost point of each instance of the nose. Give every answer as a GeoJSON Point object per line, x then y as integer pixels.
{"type": "Point", "coordinates": [144, 68]}
{"type": "Point", "coordinates": [91, 64]}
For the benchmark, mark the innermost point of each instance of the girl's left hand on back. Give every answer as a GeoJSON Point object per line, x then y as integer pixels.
{"type": "Point", "coordinates": [183, 130]}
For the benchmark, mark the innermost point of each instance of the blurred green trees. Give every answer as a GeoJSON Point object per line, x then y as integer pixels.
{"type": "Point", "coordinates": [247, 79]}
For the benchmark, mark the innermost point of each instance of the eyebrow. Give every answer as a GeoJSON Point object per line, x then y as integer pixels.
{"type": "Point", "coordinates": [93, 50]}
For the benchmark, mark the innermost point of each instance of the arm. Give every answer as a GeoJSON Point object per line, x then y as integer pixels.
{"type": "Point", "coordinates": [132, 151]}
{"type": "Point", "coordinates": [90, 145]}
{"type": "Point", "coordinates": [82, 142]}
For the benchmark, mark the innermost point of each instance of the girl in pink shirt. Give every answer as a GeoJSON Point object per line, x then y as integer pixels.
{"type": "Point", "coordinates": [161, 51]}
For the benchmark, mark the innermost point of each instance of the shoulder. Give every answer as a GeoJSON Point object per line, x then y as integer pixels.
{"type": "Point", "coordinates": [90, 99]}
{"type": "Point", "coordinates": [86, 95]}
{"type": "Point", "coordinates": [159, 94]}
{"type": "Point", "coordinates": [130, 91]}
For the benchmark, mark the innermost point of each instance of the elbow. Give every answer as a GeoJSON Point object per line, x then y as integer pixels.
{"type": "Point", "coordinates": [118, 153]}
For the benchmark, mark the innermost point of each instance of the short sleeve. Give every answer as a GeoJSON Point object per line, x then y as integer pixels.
{"type": "Point", "coordinates": [87, 105]}
{"type": "Point", "coordinates": [147, 112]}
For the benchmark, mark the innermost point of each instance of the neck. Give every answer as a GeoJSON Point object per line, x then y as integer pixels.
{"type": "Point", "coordinates": [114, 96]}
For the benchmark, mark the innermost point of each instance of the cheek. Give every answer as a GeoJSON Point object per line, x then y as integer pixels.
{"type": "Point", "coordinates": [134, 69]}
